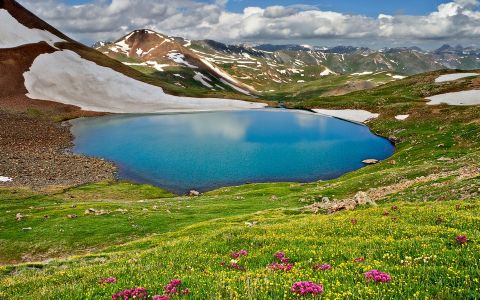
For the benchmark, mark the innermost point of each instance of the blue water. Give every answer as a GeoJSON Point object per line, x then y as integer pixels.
{"type": "Point", "coordinates": [204, 151]}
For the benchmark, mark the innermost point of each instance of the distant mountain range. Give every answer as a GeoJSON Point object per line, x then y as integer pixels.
{"type": "Point", "coordinates": [255, 68]}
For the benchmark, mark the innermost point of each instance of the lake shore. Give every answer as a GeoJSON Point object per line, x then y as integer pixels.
{"type": "Point", "coordinates": [35, 153]}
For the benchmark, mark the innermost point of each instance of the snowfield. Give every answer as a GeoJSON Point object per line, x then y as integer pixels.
{"type": "Point", "coordinates": [355, 115]}
{"type": "Point", "coordinates": [455, 76]}
{"type": "Point", "coordinates": [402, 117]}
{"type": "Point", "coordinates": [65, 77]}
{"type": "Point", "coordinates": [471, 97]}
{"type": "Point", "coordinates": [14, 34]}
{"type": "Point", "coordinates": [5, 179]}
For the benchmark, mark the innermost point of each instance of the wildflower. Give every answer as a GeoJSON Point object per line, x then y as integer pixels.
{"type": "Point", "coordinates": [108, 280]}
{"type": "Point", "coordinates": [306, 288]}
{"type": "Point", "coordinates": [394, 207]}
{"type": "Point", "coordinates": [359, 259]}
{"type": "Point", "coordinates": [185, 291]}
{"type": "Point", "coordinates": [354, 221]}
{"type": "Point", "coordinates": [171, 287]}
{"type": "Point", "coordinates": [135, 293]}
{"type": "Point", "coordinates": [461, 239]}
{"type": "Point", "coordinates": [281, 257]}
{"type": "Point", "coordinates": [386, 213]}
{"type": "Point", "coordinates": [162, 297]}
{"type": "Point", "coordinates": [236, 266]}
{"type": "Point", "coordinates": [322, 267]}
{"type": "Point", "coordinates": [238, 254]}
{"type": "Point", "coordinates": [377, 276]}
{"type": "Point", "coordinates": [281, 267]}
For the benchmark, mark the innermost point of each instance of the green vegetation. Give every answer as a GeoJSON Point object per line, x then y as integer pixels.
{"type": "Point", "coordinates": [427, 195]}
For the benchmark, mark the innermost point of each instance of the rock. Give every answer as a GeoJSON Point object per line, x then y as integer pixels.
{"type": "Point", "coordinates": [362, 198]}
{"type": "Point", "coordinates": [370, 161]}
{"type": "Point", "coordinates": [446, 159]}
{"type": "Point", "coordinates": [251, 224]}
{"type": "Point", "coordinates": [27, 228]}
{"type": "Point", "coordinates": [72, 216]}
{"type": "Point", "coordinates": [194, 193]}
{"type": "Point", "coordinates": [274, 198]}
{"type": "Point", "coordinates": [19, 216]}
{"type": "Point", "coordinates": [96, 212]}
{"type": "Point", "coordinates": [394, 139]}
{"type": "Point", "coordinates": [90, 211]}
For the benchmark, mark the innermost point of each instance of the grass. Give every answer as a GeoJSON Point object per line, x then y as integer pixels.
{"type": "Point", "coordinates": [415, 244]}
{"type": "Point", "coordinates": [149, 236]}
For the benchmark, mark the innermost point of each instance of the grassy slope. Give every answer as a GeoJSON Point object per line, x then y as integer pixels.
{"type": "Point", "coordinates": [196, 234]}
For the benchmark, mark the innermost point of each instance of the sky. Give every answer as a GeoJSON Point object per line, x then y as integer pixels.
{"type": "Point", "coordinates": [370, 23]}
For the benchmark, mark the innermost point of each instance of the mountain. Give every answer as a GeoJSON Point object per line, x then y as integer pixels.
{"type": "Point", "coordinates": [148, 50]}
{"type": "Point", "coordinates": [41, 67]}
{"type": "Point", "coordinates": [268, 68]}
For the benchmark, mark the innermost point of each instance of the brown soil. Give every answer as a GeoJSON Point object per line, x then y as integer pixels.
{"type": "Point", "coordinates": [34, 151]}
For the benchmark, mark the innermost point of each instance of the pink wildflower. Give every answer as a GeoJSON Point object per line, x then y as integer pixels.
{"type": "Point", "coordinates": [162, 297]}
{"type": "Point", "coordinates": [377, 276]}
{"type": "Point", "coordinates": [171, 287]}
{"type": "Point", "coordinates": [135, 293]}
{"type": "Point", "coordinates": [394, 207]}
{"type": "Point", "coordinates": [185, 291]}
{"type": "Point", "coordinates": [236, 266]}
{"type": "Point", "coordinates": [238, 254]}
{"type": "Point", "coordinates": [461, 239]}
{"type": "Point", "coordinates": [322, 267]}
{"type": "Point", "coordinates": [306, 288]}
{"type": "Point", "coordinates": [281, 267]}
{"type": "Point", "coordinates": [281, 257]}
{"type": "Point", "coordinates": [359, 259]}
{"type": "Point", "coordinates": [108, 280]}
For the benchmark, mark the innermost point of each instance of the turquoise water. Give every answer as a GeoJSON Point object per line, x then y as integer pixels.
{"type": "Point", "coordinates": [203, 151]}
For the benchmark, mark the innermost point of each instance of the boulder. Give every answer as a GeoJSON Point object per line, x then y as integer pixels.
{"type": "Point", "coordinates": [362, 198]}
{"type": "Point", "coordinates": [194, 193]}
{"type": "Point", "coordinates": [370, 161]}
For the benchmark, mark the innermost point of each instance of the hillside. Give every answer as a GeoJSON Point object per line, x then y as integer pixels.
{"type": "Point", "coordinates": [403, 228]}
{"type": "Point", "coordinates": [277, 71]}
{"type": "Point", "coordinates": [47, 65]}
{"type": "Point", "coordinates": [170, 59]}
{"type": "Point", "coordinates": [426, 197]}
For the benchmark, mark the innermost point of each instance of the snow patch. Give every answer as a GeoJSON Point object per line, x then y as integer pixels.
{"type": "Point", "coordinates": [65, 77]}
{"type": "Point", "coordinates": [455, 76]}
{"type": "Point", "coordinates": [5, 179]}
{"type": "Point", "coordinates": [179, 58]}
{"type": "Point", "coordinates": [327, 72]}
{"type": "Point", "coordinates": [362, 74]}
{"type": "Point", "coordinates": [202, 79]}
{"type": "Point", "coordinates": [471, 97]}
{"type": "Point", "coordinates": [14, 34]}
{"type": "Point", "coordinates": [235, 87]}
{"type": "Point", "coordinates": [402, 117]}
{"type": "Point", "coordinates": [355, 115]}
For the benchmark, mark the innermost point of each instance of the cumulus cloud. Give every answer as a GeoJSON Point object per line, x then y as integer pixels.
{"type": "Point", "coordinates": [108, 20]}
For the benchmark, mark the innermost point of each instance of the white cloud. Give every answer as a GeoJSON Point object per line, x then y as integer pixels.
{"type": "Point", "coordinates": [107, 20]}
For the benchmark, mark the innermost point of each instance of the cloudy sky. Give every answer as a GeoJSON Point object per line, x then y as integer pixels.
{"type": "Point", "coordinates": [372, 23]}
